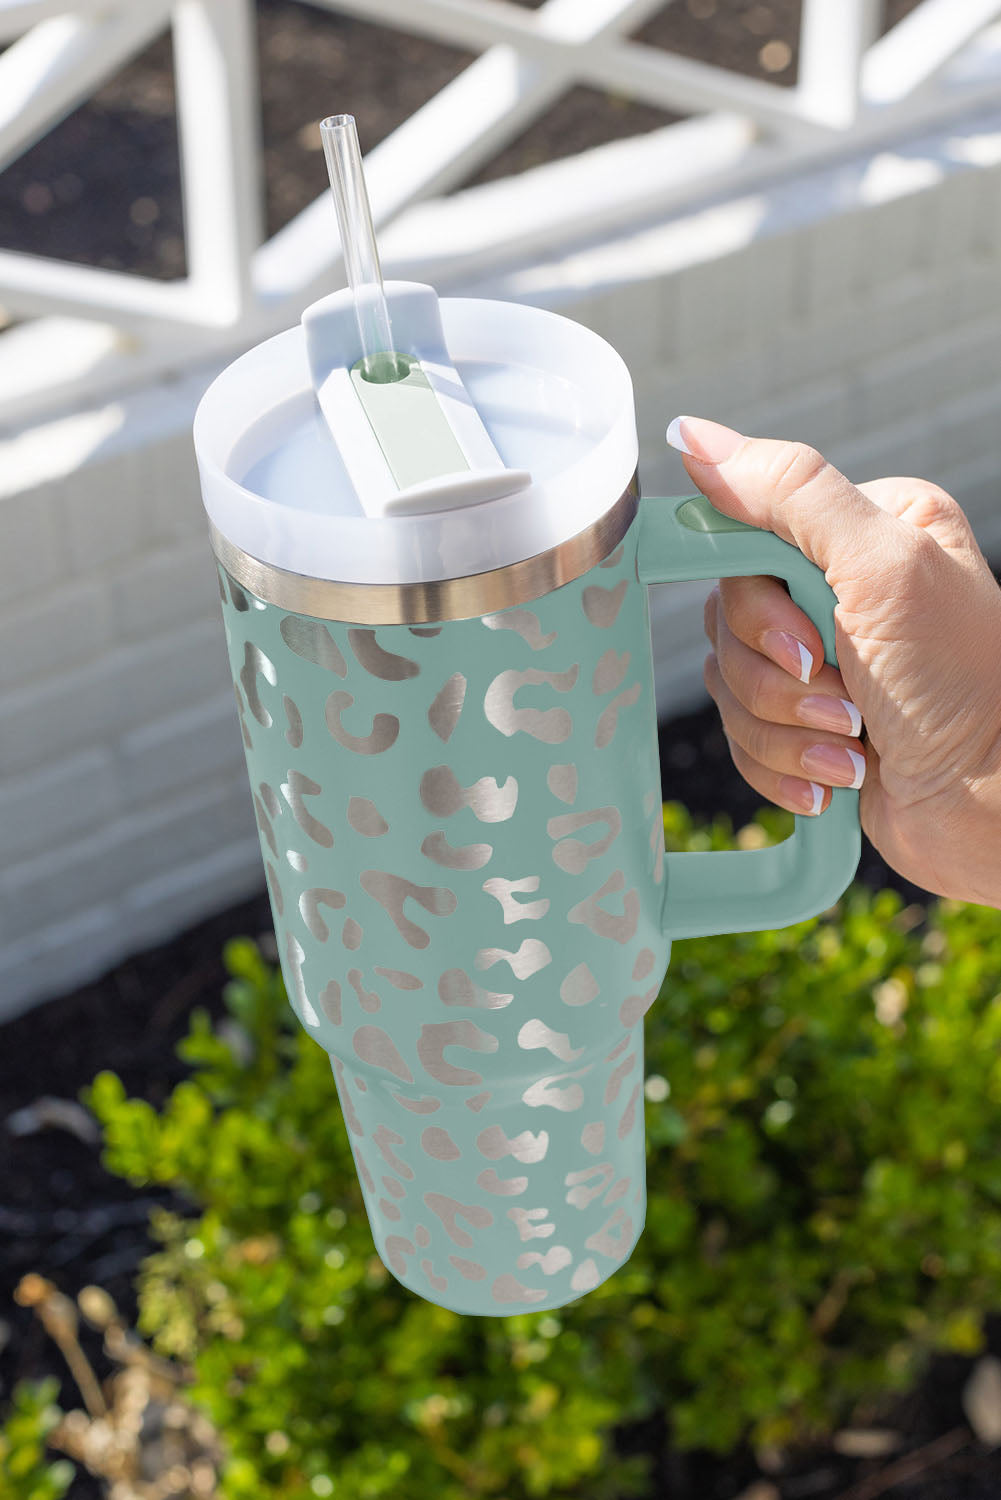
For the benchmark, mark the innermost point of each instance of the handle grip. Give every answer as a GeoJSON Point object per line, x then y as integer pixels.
{"type": "Point", "coordinates": [749, 889]}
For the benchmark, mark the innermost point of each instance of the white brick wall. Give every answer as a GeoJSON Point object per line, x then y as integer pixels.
{"type": "Point", "coordinates": [831, 310]}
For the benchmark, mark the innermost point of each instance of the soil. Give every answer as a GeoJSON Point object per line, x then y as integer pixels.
{"type": "Point", "coordinates": [103, 188]}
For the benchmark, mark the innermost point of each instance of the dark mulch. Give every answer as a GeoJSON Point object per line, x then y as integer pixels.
{"type": "Point", "coordinates": [63, 1215]}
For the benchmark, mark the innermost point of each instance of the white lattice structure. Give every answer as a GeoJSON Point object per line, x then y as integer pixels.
{"type": "Point", "coordinates": [853, 92]}
{"type": "Point", "coordinates": [823, 263]}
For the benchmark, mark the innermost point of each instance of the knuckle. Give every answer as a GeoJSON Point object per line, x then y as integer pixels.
{"type": "Point", "coordinates": [793, 467]}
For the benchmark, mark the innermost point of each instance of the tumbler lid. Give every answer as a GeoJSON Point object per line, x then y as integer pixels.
{"type": "Point", "coordinates": [555, 399]}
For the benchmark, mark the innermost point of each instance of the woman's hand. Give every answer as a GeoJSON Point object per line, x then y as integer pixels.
{"type": "Point", "coordinates": [918, 633]}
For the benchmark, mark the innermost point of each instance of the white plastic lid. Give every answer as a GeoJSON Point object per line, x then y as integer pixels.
{"type": "Point", "coordinates": [556, 400]}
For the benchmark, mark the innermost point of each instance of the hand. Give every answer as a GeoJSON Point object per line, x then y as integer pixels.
{"type": "Point", "coordinates": [918, 636]}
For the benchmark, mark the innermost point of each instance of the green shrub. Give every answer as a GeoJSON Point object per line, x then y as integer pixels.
{"type": "Point", "coordinates": [824, 1125]}
{"type": "Point", "coordinates": [26, 1471]}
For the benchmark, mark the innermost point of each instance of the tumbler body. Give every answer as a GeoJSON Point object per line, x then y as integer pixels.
{"type": "Point", "coordinates": [461, 827]}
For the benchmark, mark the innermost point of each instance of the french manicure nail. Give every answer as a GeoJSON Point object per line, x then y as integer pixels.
{"type": "Point", "coordinates": [709, 442]}
{"type": "Point", "coordinates": [835, 764]}
{"type": "Point", "coordinates": [789, 653]}
{"type": "Point", "coordinates": [823, 711]}
{"type": "Point", "coordinates": [804, 796]}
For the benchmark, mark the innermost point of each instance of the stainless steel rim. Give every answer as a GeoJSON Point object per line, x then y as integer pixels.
{"type": "Point", "coordinates": [442, 599]}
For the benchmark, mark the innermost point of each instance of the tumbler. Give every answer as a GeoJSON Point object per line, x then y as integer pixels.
{"type": "Point", "coordinates": [434, 587]}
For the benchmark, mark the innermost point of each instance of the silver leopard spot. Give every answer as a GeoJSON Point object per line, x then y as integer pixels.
{"type": "Point", "coordinates": [635, 1007]}
{"type": "Point", "coordinates": [586, 1277]}
{"type": "Point", "coordinates": [442, 795]}
{"type": "Point", "coordinates": [526, 1147]}
{"type": "Point", "coordinates": [601, 606]}
{"type": "Point", "coordinates": [298, 862]}
{"type": "Point", "coordinates": [450, 1211]}
{"type": "Point", "coordinates": [377, 1048]}
{"type": "Point", "coordinates": [477, 1101]}
{"type": "Point", "coordinates": [347, 1108]}
{"type": "Point", "coordinates": [392, 892]}
{"type": "Point", "coordinates": [425, 631]}
{"type": "Point", "coordinates": [629, 1115]}
{"type": "Point", "coordinates": [504, 891]}
{"type": "Point", "coordinates": [240, 601]}
{"type": "Point", "coordinates": [400, 979]}
{"type": "Point", "coordinates": [574, 855]}
{"type": "Point", "coordinates": [295, 957]}
{"type": "Point", "coordinates": [256, 664]}
{"type": "Point", "coordinates": [330, 1001]}
{"type": "Point", "coordinates": [351, 934]}
{"type": "Point", "coordinates": [508, 1288]}
{"type": "Point", "coordinates": [294, 791]}
{"type": "Point", "coordinates": [619, 1047]}
{"type": "Point", "coordinates": [264, 824]}
{"type": "Point", "coordinates": [604, 924]}
{"type": "Point", "coordinates": [390, 1209]}
{"type": "Point", "coordinates": [530, 957]}
{"type": "Point", "coordinates": [313, 642]}
{"type": "Point", "coordinates": [383, 735]}
{"type": "Point", "coordinates": [583, 1187]}
{"type": "Point", "coordinates": [644, 963]}
{"type": "Point", "coordinates": [614, 1237]}
{"type": "Point", "coordinates": [435, 1037]}
{"type": "Point", "coordinates": [367, 999]}
{"type": "Point", "coordinates": [619, 1075]}
{"type": "Point", "coordinates": [592, 1137]}
{"type": "Point", "coordinates": [274, 886]}
{"type": "Point", "coordinates": [456, 988]}
{"type": "Point", "coordinates": [384, 1140]}
{"type": "Point", "coordinates": [395, 1249]}
{"type": "Point", "coordinates": [270, 800]}
{"type": "Point", "coordinates": [562, 782]}
{"type": "Point", "coordinates": [365, 818]}
{"type": "Point", "coordinates": [617, 1192]}
{"type": "Point", "coordinates": [550, 725]}
{"type": "Point", "coordinates": [443, 715]}
{"type": "Point", "coordinates": [422, 1236]}
{"type": "Point", "coordinates": [524, 623]}
{"type": "Point", "coordinates": [379, 662]}
{"type": "Point", "coordinates": [610, 672]}
{"type": "Point", "coordinates": [471, 857]}
{"type": "Point", "coordinates": [536, 1033]}
{"type": "Point", "coordinates": [469, 1270]}
{"type": "Point", "coordinates": [425, 1105]}
{"type": "Point", "coordinates": [614, 558]}
{"type": "Point", "coordinates": [556, 1258]}
{"type": "Point", "coordinates": [503, 1187]}
{"type": "Point", "coordinates": [548, 1092]}
{"type": "Point", "coordinates": [294, 731]}
{"type": "Point", "coordinates": [309, 903]}
{"type": "Point", "coordinates": [526, 1221]}
{"type": "Point", "coordinates": [438, 1144]}
{"type": "Point", "coordinates": [609, 720]}
{"type": "Point", "coordinates": [580, 986]}
{"type": "Point", "coordinates": [438, 1283]}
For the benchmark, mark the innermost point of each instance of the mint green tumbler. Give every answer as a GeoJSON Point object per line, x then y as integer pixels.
{"type": "Point", "coordinates": [446, 695]}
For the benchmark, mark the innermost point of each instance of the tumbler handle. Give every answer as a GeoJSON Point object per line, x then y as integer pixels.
{"type": "Point", "coordinates": [746, 890]}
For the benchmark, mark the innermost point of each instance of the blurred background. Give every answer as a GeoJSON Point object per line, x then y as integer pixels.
{"type": "Point", "coordinates": [785, 214]}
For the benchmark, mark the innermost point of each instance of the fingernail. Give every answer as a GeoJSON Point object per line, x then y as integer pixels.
{"type": "Point", "coordinates": [710, 442]}
{"type": "Point", "coordinates": [802, 796]}
{"type": "Point", "coordinates": [836, 765]}
{"type": "Point", "coordinates": [789, 653]}
{"type": "Point", "coordinates": [822, 711]}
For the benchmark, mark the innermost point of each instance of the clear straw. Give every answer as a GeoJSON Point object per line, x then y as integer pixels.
{"type": "Point", "coordinates": [361, 254]}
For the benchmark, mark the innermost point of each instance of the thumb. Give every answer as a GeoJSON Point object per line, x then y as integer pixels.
{"type": "Point", "coordinates": [789, 488]}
